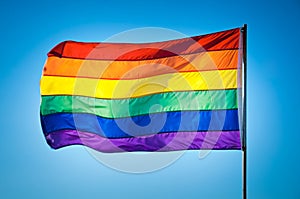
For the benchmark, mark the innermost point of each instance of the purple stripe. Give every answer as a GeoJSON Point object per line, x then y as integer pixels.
{"type": "Point", "coordinates": [215, 140]}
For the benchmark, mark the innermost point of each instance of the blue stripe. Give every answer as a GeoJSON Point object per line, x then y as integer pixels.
{"type": "Point", "coordinates": [217, 120]}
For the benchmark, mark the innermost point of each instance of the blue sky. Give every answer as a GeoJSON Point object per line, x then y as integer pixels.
{"type": "Point", "coordinates": [30, 169]}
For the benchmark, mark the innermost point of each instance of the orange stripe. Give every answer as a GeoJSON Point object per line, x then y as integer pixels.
{"type": "Point", "coordinates": [214, 60]}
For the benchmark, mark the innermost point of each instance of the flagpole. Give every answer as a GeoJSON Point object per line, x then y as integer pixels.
{"type": "Point", "coordinates": [244, 136]}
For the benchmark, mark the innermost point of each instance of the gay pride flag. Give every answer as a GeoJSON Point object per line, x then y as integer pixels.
{"type": "Point", "coordinates": [180, 94]}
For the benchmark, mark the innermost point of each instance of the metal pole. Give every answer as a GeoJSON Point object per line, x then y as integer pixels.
{"type": "Point", "coordinates": [244, 140]}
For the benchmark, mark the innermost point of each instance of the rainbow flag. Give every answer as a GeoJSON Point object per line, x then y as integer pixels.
{"type": "Point", "coordinates": [180, 94]}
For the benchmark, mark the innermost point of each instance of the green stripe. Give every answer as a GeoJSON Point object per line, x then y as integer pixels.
{"type": "Point", "coordinates": [163, 102]}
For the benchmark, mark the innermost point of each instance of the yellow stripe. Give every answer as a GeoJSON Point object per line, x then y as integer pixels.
{"type": "Point", "coordinates": [102, 88]}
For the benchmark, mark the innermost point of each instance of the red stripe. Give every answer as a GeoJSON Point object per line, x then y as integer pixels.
{"type": "Point", "coordinates": [225, 40]}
